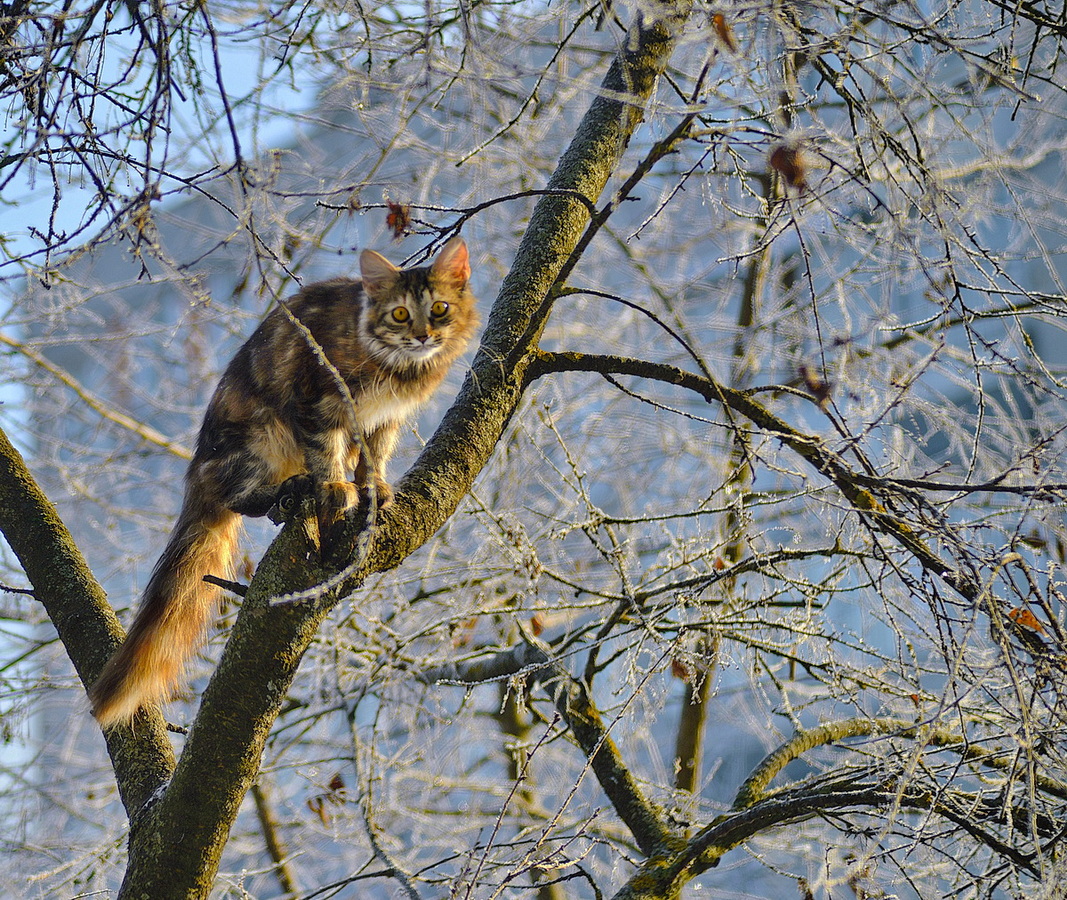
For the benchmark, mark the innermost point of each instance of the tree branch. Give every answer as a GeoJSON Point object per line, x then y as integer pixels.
{"type": "Point", "coordinates": [662, 878]}
{"type": "Point", "coordinates": [221, 757]}
{"type": "Point", "coordinates": [86, 623]}
{"type": "Point", "coordinates": [646, 822]}
{"type": "Point", "coordinates": [800, 743]}
{"type": "Point", "coordinates": [854, 487]}
{"type": "Point", "coordinates": [268, 823]}
{"type": "Point", "coordinates": [571, 697]}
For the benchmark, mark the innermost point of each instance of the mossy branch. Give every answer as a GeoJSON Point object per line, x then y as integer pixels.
{"type": "Point", "coordinates": [85, 622]}
{"type": "Point", "coordinates": [755, 786]}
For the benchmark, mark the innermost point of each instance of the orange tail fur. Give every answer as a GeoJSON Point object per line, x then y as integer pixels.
{"type": "Point", "coordinates": [175, 610]}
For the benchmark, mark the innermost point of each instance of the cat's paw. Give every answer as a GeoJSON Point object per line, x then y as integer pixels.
{"type": "Point", "coordinates": [291, 493]}
{"type": "Point", "coordinates": [383, 493]}
{"type": "Point", "coordinates": [335, 499]}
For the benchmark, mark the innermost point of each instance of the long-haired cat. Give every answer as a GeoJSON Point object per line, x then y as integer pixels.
{"type": "Point", "coordinates": [280, 411]}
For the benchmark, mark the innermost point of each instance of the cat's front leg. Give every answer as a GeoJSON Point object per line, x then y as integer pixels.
{"type": "Point", "coordinates": [326, 455]}
{"type": "Point", "coordinates": [374, 452]}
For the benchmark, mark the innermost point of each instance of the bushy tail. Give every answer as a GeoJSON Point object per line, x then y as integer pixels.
{"type": "Point", "coordinates": [175, 610]}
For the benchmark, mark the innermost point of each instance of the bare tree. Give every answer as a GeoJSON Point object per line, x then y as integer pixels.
{"type": "Point", "coordinates": [735, 568]}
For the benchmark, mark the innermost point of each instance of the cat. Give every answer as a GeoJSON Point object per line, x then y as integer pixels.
{"type": "Point", "coordinates": [279, 413]}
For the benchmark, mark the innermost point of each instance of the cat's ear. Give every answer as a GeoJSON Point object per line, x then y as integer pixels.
{"type": "Point", "coordinates": [452, 263]}
{"type": "Point", "coordinates": [377, 272]}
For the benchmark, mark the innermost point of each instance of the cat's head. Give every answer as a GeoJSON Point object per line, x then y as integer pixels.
{"type": "Point", "coordinates": [417, 316]}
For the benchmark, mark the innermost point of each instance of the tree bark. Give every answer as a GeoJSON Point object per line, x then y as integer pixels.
{"type": "Point", "coordinates": [85, 622]}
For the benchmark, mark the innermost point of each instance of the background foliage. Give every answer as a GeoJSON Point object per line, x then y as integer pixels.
{"type": "Point", "coordinates": [774, 536]}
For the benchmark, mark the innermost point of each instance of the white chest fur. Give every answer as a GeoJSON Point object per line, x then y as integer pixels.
{"type": "Point", "coordinates": [385, 402]}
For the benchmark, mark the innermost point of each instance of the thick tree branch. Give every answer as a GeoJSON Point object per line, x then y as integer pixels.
{"type": "Point", "coordinates": [800, 743]}
{"type": "Point", "coordinates": [689, 739]}
{"type": "Point", "coordinates": [221, 757]}
{"type": "Point", "coordinates": [662, 878]}
{"type": "Point", "coordinates": [646, 822]}
{"type": "Point", "coordinates": [79, 610]}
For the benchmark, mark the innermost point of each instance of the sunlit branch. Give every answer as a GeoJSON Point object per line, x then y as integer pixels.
{"type": "Point", "coordinates": [573, 702]}
{"type": "Point", "coordinates": [809, 447]}
{"type": "Point", "coordinates": [143, 431]}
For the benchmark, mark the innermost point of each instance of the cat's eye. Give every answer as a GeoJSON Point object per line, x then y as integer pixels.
{"type": "Point", "coordinates": [400, 314]}
{"type": "Point", "coordinates": [439, 308]}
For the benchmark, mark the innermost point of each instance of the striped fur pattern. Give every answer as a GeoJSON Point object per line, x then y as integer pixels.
{"type": "Point", "coordinates": [279, 412]}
